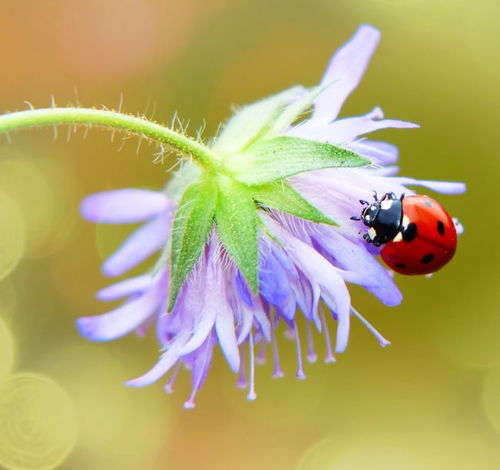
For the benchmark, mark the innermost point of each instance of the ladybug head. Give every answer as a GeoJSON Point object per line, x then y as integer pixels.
{"type": "Point", "coordinates": [370, 213]}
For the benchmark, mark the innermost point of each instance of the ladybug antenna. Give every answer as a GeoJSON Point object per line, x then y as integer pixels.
{"type": "Point", "coordinates": [355, 217]}
{"type": "Point", "coordinates": [375, 196]}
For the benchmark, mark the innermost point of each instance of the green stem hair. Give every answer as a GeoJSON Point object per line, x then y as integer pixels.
{"type": "Point", "coordinates": [111, 119]}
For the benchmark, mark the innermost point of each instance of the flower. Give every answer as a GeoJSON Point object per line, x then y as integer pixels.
{"type": "Point", "coordinates": [201, 292]}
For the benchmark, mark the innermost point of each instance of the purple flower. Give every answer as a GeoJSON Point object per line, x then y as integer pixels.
{"type": "Point", "coordinates": [301, 264]}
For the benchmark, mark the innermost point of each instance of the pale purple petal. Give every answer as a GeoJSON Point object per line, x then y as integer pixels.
{"type": "Point", "coordinates": [124, 206]}
{"type": "Point", "coordinates": [166, 361]}
{"type": "Point", "coordinates": [139, 246]}
{"type": "Point", "coordinates": [243, 290]}
{"type": "Point", "coordinates": [123, 320]}
{"type": "Point", "coordinates": [245, 324]}
{"type": "Point", "coordinates": [318, 269]}
{"type": "Point", "coordinates": [391, 170]}
{"type": "Point", "coordinates": [345, 71]}
{"type": "Point", "coordinates": [308, 295]}
{"type": "Point", "coordinates": [380, 153]}
{"type": "Point", "coordinates": [202, 362]}
{"type": "Point", "coordinates": [261, 318]}
{"type": "Point", "coordinates": [203, 299]}
{"type": "Point", "coordinates": [126, 287]}
{"type": "Point", "coordinates": [352, 255]}
{"type": "Point", "coordinates": [275, 285]}
{"type": "Point", "coordinates": [346, 130]}
{"type": "Point", "coordinates": [203, 326]}
{"type": "Point", "coordinates": [224, 326]}
{"type": "Point", "coordinates": [445, 187]}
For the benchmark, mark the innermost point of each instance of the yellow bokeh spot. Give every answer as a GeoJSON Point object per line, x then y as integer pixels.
{"type": "Point", "coordinates": [347, 453]}
{"type": "Point", "coordinates": [7, 350]}
{"type": "Point", "coordinates": [12, 235]}
{"type": "Point", "coordinates": [44, 191]}
{"type": "Point", "coordinates": [38, 425]}
{"type": "Point", "coordinates": [120, 427]}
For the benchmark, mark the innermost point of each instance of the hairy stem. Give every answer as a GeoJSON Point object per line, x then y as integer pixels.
{"type": "Point", "coordinates": [112, 119]}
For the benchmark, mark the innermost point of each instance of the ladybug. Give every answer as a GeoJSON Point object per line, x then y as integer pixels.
{"type": "Point", "coordinates": [417, 234]}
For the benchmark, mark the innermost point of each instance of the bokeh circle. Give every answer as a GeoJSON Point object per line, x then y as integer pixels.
{"type": "Point", "coordinates": [38, 424]}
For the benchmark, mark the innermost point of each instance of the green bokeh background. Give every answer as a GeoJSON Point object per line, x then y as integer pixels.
{"type": "Point", "coordinates": [430, 401]}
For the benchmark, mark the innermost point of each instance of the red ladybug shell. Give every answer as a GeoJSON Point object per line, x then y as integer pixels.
{"type": "Point", "coordinates": [429, 241]}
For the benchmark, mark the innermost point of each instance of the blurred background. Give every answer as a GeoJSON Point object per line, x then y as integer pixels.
{"type": "Point", "coordinates": [430, 401]}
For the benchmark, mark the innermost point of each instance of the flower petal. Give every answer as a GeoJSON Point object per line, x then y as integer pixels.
{"type": "Point", "coordinates": [123, 320]}
{"type": "Point", "coordinates": [316, 268]}
{"type": "Point", "coordinates": [203, 301]}
{"type": "Point", "coordinates": [141, 244]}
{"type": "Point", "coordinates": [202, 362]}
{"type": "Point", "coordinates": [444, 187]}
{"type": "Point", "coordinates": [242, 289]}
{"type": "Point", "coordinates": [126, 287]}
{"type": "Point", "coordinates": [224, 326]}
{"type": "Point", "coordinates": [246, 323]}
{"type": "Point", "coordinates": [308, 295]}
{"type": "Point", "coordinates": [166, 361]}
{"type": "Point", "coordinates": [203, 326]}
{"type": "Point", "coordinates": [275, 286]}
{"type": "Point", "coordinates": [124, 206]}
{"type": "Point", "coordinates": [379, 152]}
{"type": "Point", "coordinates": [345, 71]}
{"type": "Point", "coordinates": [346, 130]}
{"type": "Point", "coordinates": [351, 255]}
{"type": "Point", "coordinates": [262, 318]}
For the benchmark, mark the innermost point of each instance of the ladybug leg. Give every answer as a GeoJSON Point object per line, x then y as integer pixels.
{"type": "Point", "coordinates": [367, 238]}
{"type": "Point", "coordinates": [375, 196]}
{"type": "Point", "coordinates": [402, 196]}
{"type": "Point", "coordinates": [363, 202]}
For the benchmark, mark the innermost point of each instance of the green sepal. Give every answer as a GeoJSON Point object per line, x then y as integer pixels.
{"type": "Point", "coordinates": [283, 197]}
{"type": "Point", "coordinates": [295, 109]}
{"type": "Point", "coordinates": [236, 219]}
{"type": "Point", "coordinates": [191, 227]}
{"type": "Point", "coordinates": [281, 157]}
{"type": "Point", "coordinates": [253, 121]}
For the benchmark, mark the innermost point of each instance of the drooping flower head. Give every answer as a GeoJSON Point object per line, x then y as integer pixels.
{"type": "Point", "coordinates": [262, 236]}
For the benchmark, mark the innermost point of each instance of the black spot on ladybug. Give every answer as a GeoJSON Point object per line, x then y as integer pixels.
{"type": "Point", "coordinates": [427, 258]}
{"type": "Point", "coordinates": [410, 232]}
{"type": "Point", "coordinates": [428, 203]}
{"type": "Point", "coordinates": [440, 227]}
{"type": "Point", "coordinates": [400, 265]}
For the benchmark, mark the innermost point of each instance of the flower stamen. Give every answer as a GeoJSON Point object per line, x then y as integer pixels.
{"type": "Point", "coordinates": [260, 358]}
{"type": "Point", "coordinates": [251, 389]}
{"type": "Point", "coordinates": [242, 374]}
{"type": "Point", "coordinates": [329, 357]}
{"type": "Point", "coordinates": [383, 342]}
{"type": "Point", "coordinates": [169, 386]}
{"type": "Point", "coordinates": [277, 371]}
{"type": "Point", "coordinates": [312, 357]}
{"type": "Point", "coordinates": [300, 365]}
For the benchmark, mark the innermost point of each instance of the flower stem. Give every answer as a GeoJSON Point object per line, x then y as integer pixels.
{"type": "Point", "coordinates": [112, 119]}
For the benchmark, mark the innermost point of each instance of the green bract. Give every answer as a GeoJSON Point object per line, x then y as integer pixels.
{"type": "Point", "coordinates": [236, 218]}
{"type": "Point", "coordinates": [190, 230]}
{"type": "Point", "coordinates": [282, 196]}
{"type": "Point", "coordinates": [243, 172]}
{"type": "Point", "coordinates": [254, 121]}
{"type": "Point", "coordinates": [282, 157]}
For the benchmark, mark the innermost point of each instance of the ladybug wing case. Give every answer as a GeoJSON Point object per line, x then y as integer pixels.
{"type": "Point", "coordinates": [428, 241]}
